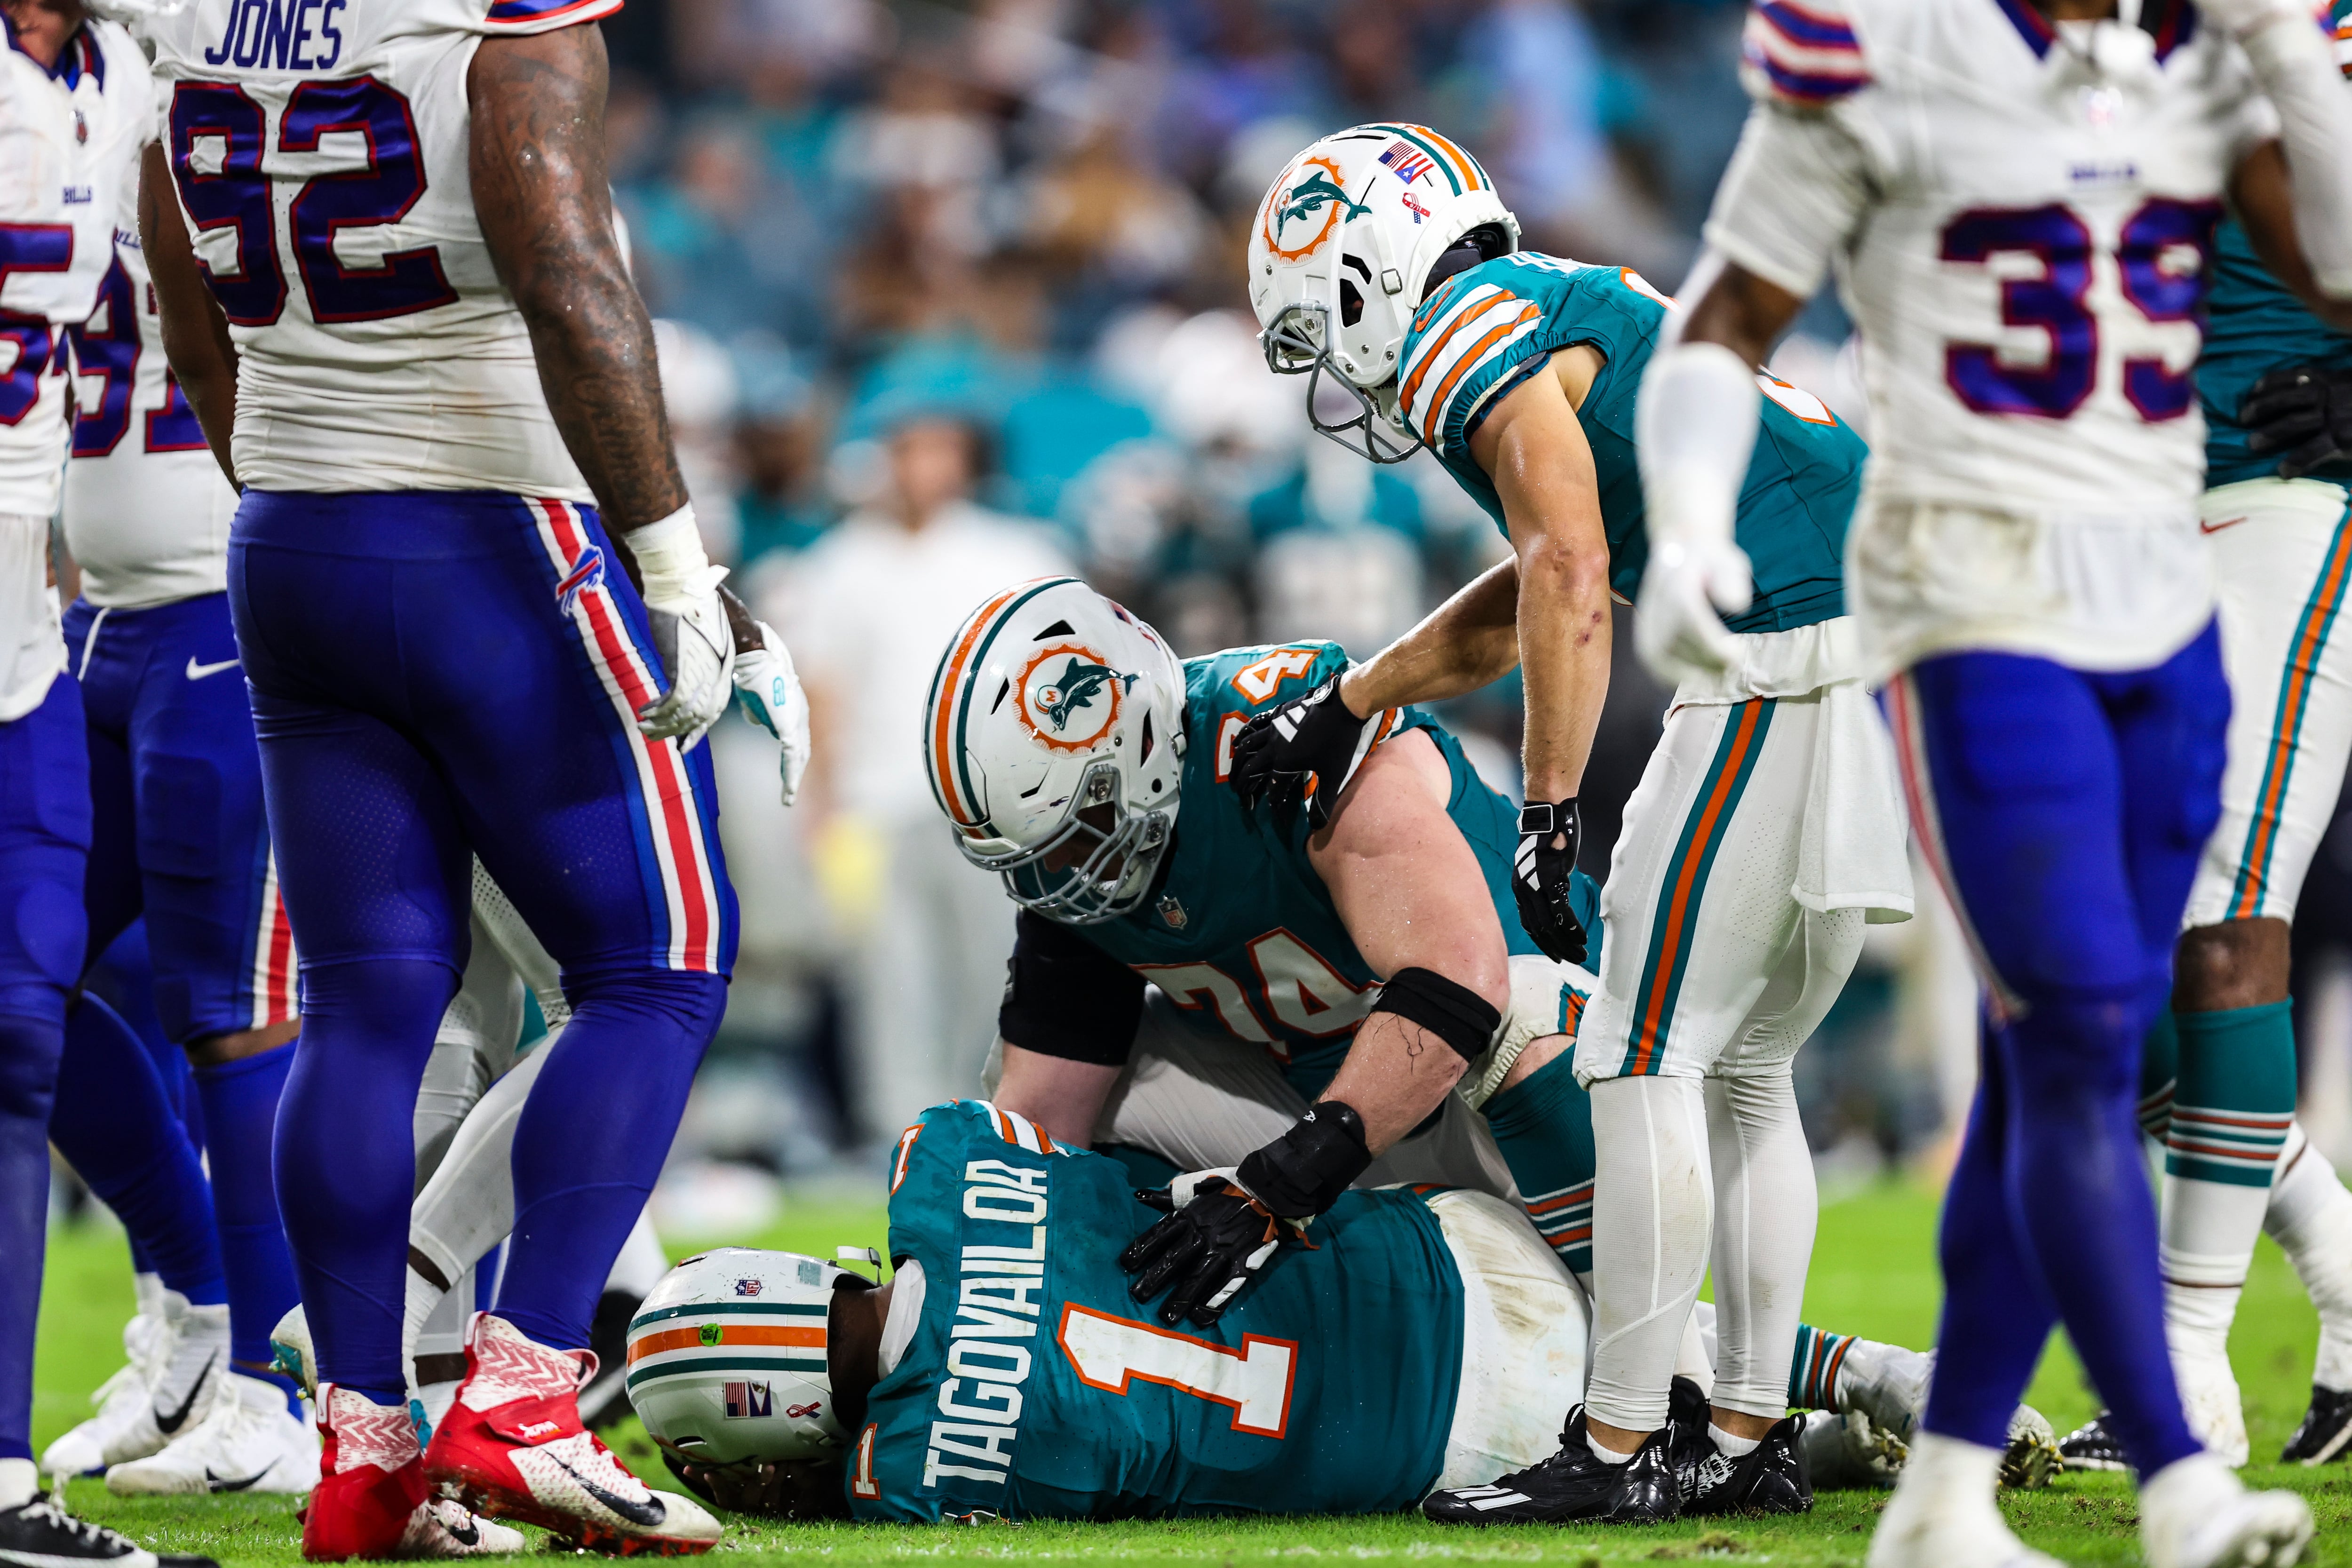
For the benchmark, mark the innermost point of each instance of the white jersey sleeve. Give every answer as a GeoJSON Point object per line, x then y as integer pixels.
{"type": "Point", "coordinates": [319, 150]}
{"type": "Point", "coordinates": [147, 511]}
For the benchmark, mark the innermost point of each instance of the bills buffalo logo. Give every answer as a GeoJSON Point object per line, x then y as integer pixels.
{"type": "Point", "coordinates": [1070, 697]}
{"type": "Point", "coordinates": [1306, 206]}
{"type": "Point", "coordinates": [587, 571]}
{"type": "Point", "coordinates": [747, 1287]}
{"type": "Point", "coordinates": [748, 1400]}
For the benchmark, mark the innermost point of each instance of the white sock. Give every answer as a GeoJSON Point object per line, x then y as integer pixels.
{"type": "Point", "coordinates": [1606, 1455]}
{"type": "Point", "coordinates": [147, 1290]}
{"type": "Point", "coordinates": [1766, 1209]}
{"type": "Point", "coordinates": [2310, 1218]}
{"type": "Point", "coordinates": [1730, 1444]}
{"type": "Point", "coordinates": [1653, 1210]}
{"type": "Point", "coordinates": [2206, 1245]}
{"type": "Point", "coordinates": [1950, 1466]}
{"type": "Point", "coordinates": [19, 1480]}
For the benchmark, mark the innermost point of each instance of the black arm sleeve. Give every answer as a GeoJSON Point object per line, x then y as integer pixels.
{"type": "Point", "coordinates": [1063, 996]}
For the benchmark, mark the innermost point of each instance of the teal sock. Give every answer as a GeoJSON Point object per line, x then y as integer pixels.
{"type": "Point", "coordinates": [2236, 1094]}
{"type": "Point", "coordinates": [2159, 1067]}
{"type": "Point", "coordinates": [1543, 1125]}
{"type": "Point", "coordinates": [1813, 1370]}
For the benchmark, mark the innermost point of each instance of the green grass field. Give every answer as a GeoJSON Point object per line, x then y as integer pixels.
{"type": "Point", "coordinates": [1873, 1273]}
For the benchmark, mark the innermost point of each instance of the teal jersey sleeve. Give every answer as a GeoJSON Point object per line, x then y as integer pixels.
{"type": "Point", "coordinates": [1240, 928]}
{"type": "Point", "coordinates": [1034, 1387]}
{"type": "Point", "coordinates": [2254, 326]}
{"type": "Point", "coordinates": [1486, 330]}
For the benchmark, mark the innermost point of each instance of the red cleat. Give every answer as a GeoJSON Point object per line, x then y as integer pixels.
{"type": "Point", "coordinates": [371, 1479]}
{"type": "Point", "coordinates": [512, 1447]}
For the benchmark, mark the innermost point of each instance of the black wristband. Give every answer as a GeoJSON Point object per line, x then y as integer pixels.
{"type": "Point", "coordinates": [1454, 1013]}
{"type": "Point", "coordinates": [1303, 1173]}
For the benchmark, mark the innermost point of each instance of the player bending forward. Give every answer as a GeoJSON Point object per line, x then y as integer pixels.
{"type": "Point", "coordinates": [1767, 830]}
{"type": "Point", "coordinates": [1429, 1339]}
{"type": "Point", "coordinates": [2021, 199]}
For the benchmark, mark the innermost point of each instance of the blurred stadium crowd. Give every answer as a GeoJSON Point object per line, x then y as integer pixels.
{"type": "Point", "coordinates": [953, 297]}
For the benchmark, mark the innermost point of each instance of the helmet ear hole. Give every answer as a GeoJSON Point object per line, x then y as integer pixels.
{"type": "Point", "coordinates": [1351, 304]}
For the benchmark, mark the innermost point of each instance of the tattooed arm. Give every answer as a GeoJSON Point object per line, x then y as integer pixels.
{"type": "Point", "coordinates": [195, 333]}
{"type": "Point", "coordinates": [545, 205]}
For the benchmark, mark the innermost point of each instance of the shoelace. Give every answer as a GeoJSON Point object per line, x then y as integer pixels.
{"type": "Point", "coordinates": [44, 1508]}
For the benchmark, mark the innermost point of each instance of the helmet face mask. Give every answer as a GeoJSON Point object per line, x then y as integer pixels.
{"type": "Point", "coordinates": [1054, 740]}
{"type": "Point", "coordinates": [1294, 345]}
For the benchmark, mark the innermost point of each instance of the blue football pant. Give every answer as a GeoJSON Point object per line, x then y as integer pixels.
{"type": "Point", "coordinates": [435, 676]}
{"type": "Point", "coordinates": [2064, 812]}
{"type": "Point", "coordinates": [44, 846]}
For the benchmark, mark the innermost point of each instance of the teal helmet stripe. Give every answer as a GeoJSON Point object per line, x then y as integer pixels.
{"type": "Point", "coordinates": [639, 1376]}
{"type": "Point", "coordinates": [972, 666]}
{"type": "Point", "coordinates": [1444, 164]}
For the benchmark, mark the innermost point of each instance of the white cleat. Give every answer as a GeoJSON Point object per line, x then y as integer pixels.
{"type": "Point", "coordinates": [289, 1351]}
{"type": "Point", "coordinates": [121, 1400]}
{"type": "Point", "coordinates": [251, 1443]}
{"type": "Point", "coordinates": [2031, 1457]}
{"type": "Point", "coordinates": [1942, 1514]}
{"type": "Point", "coordinates": [1895, 1396]}
{"type": "Point", "coordinates": [2216, 1415]}
{"type": "Point", "coordinates": [188, 1354]}
{"type": "Point", "coordinates": [442, 1526]}
{"type": "Point", "coordinates": [1850, 1452]}
{"type": "Point", "coordinates": [2196, 1513]}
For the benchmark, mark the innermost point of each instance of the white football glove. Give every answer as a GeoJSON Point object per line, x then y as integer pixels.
{"type": "Point", "coordinates": [1677, 628]}
{"type": "Point", "coordinates": [690, 627]}
{"type": "Point", "coordinates": [769, 690]}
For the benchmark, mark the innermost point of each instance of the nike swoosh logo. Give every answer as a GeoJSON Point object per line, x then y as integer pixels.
{"type": "Point", "coordinates": [648, 1513]}
{"type": "Point", "coordinates": [198, 671]}
{"type": "Point", "coordinates": [2204, 526]}
{"type": "Point", "coordinates": [223, 1484]}
{"type": "Point", "coordinates": [465, 1534]}
{"type": "Point", "coordinates": [171, 1422]}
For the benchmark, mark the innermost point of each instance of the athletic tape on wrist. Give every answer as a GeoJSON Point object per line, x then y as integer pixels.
{"type": "Point", "coordinates": [1303, 1173]}
{"type": "Point", "coordinates": [670, 552]}
{"type": "Point", "coordinates": [1454, 1013]}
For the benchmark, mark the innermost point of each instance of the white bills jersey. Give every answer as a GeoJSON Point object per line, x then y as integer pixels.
{"type": "Point", "coordinates": [70, 140]}
{"type": "Point", "coordinates": [2020, 215]}
{"type": "Point", "coordinates": [318, 149]}
{"type": "Point", "coordinates": [146, 507]}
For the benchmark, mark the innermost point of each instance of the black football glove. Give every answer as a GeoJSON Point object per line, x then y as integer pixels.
{"type": "Point", "coordinates": [1313, 737]}
{"type": "Point", "coordinates": [1224, 1227]}
{"type": "Point", "coordinates": [1539, 878]}
{"type": "Point", "coordinates": [2302, 412]}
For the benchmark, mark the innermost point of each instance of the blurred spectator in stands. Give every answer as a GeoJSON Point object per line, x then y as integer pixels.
{"type": "Point", "coordinates": [867, 612]}
{"type": "Point", "coordinates": [699, 392]}
{"type": "Point", "coordinates": [779, 501]}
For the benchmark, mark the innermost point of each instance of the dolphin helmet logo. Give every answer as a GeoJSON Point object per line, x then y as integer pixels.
{"type": "Point", "coordinates": [1070, 697]}
{"type": "Point", "coordinates": [1312, 187]}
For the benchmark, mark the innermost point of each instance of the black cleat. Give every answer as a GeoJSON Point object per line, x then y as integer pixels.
{"type": "Point", "coordinates": [1572, 1486]}
{"type": "Point", "coordinates": [1687, 1444]}
{"type": "Point", "coordinates": [1770, 1477]}
{"type": "Point", "coordinates": [2091, 1447]}
{"type": "Point", "coordinates": [40, 1531]}
{"type": "Point", "coordinates": [605, 1398]}
{"type": "Point", "coordinates": [2326, 1429]}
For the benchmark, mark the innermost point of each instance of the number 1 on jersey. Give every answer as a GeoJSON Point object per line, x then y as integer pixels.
{"type": "Point", "coordinates": [1109, 1353]}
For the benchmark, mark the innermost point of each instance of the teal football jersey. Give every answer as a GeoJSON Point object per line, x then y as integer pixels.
{"type": "Point", "coordinates": [2253, 326]}
{"type": "Point", "coordinates": [1486, 330]}
{"type": "Point", "coordinates": [1239, 928]}
{"type": "Point", "coordinates": [1034, 1387]}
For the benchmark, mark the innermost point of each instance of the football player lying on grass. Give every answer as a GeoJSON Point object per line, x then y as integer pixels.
{"type": "Point", "coordinates": [1427, 1337]}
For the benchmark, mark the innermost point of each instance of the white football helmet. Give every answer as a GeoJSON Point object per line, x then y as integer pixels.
{"type": "Point", "coordinates": [727, 1357]}
{"type": "Point", "coordinates": [1055, 741]}
{"type": "Point", "coordinates": [1343, 251]}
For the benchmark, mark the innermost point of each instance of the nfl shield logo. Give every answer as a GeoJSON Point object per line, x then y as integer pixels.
{"type": "Point", "coordinates": [747, 1287]}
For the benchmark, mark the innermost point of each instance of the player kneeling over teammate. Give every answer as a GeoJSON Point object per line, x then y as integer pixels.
{"type": "Point", "coordinates": [1429, 1339]}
